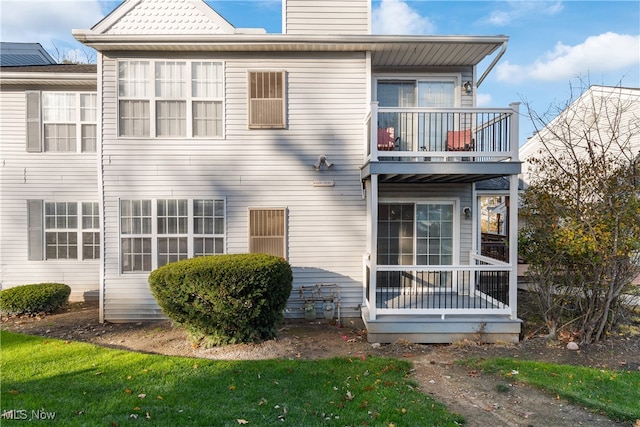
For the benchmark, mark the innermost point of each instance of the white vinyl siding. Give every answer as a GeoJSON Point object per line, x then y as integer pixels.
{"type": "Point", "coordinates": [29, 178]}
{"type": "Point", "coordinates": [328, 17]}
{"type": "Point", "coordinates": [267, 231]}
{"type": "Point", "coordinates": [184, 100]}
{"type": "Point", "coordinates": [267, 100]}
{"type": "Point", "coordinates": [254, 168]}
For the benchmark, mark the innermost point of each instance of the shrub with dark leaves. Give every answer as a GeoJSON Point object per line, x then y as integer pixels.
{"type": "Point", "coordinates": [225, 299]}
{"type": "Point", "coordinates": [33, 299]}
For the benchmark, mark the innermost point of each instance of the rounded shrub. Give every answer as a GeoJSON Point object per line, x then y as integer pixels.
{"type": "Point", "coordinates": [225, 299]}
{"type": "Point", "coordinates": [33, 299]}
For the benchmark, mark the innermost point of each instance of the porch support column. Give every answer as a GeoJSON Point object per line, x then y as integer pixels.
{"type": "Point", "coordinates": [373, 262]}
{"type": "Point", "coordinates": [513, 245]}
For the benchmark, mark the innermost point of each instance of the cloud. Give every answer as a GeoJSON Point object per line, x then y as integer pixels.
{"type": "Point", "coordinates": [484, 100]}
{"type": "Point", "coordinates": [45, 21]}
{"type": "Point", "coordinates": [601, 53]}
{"type": "Point", "coordinates": [396, 17]}
{"type": "Point", "coordinates": [519, 9]}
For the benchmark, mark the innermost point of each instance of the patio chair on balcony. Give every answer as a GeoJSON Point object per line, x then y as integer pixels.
{"type": "Point", "coordinates": [460, 140]}
{"type": "Point", "coordinates": [386, 139]}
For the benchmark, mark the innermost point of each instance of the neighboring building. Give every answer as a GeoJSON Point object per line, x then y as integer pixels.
{"type": "Point", "coordinates": [48, 177]}
{"type": "Point", "coordinates": [21, 54]}
{"type": "Point", "coordinates": [354, 156]}
{"type": "Point", "coordinates": [606, 116]}
{"type": "Point", "coordinates": [612, 115]}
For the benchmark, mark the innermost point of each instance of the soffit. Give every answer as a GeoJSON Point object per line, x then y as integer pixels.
{"type": "Point", "coordinates": [386, 51]}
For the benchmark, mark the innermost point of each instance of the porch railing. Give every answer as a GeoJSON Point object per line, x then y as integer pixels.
{"type": "Point", "coordinates": [443, 134]}
{"type": "Point", "coordinates": [480, 288]}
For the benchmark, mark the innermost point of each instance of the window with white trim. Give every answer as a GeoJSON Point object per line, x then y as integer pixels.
{"type": "Point", "coordinates": [63, 230]}
{"type": "Point", "coordinates": [267, 231]}
{"type": "Point", "coordinates": [63, 122]}
{"type": "Point", "coordinates": [185, 99]}
{"type": "Point", "coordinates": [90, 230]}
{"type": "Point", "coordinates": [172, 229]}
{"type": "Point", "coordinates": [267, 100]}
{"type": "Point", "coordinates": [415, 233]}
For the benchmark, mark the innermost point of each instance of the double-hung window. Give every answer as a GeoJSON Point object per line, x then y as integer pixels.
{"type": "Point", "coordinates": [62, 122]}
{"type": "Point", "coordinates": [63, 230]}
{"type": "Point", "coordinates": [156, 232]}
{"type": "Point", "coordinates": [170, 98]}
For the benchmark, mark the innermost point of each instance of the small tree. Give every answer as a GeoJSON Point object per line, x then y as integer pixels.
{"type": "Point", "coordinates": [582, 211]}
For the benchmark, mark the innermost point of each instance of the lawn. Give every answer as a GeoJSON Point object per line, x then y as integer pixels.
{"type": "Point", "coordinates": [60, 382]}
{"type": "Point", "coordinates": [613, 393]}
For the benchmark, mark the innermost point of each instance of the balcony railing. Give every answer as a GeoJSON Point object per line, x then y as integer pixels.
{"type": "Point", "coordinates": [482, 288]}
{"type": "Point", "coordinates": [445, 134]}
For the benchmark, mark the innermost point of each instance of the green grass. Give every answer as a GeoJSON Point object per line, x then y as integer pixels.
{"type": "Point", "coordinates": [83, 384]}
{"type": "Point", "coordinates": [613, 393]}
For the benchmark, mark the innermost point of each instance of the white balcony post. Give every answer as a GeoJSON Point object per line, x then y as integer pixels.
{"type": "Point", "coordinates": [374, 132]}
{"type": "Point", "coordinates": [513, 245]}
{"type": "Point", "coordinates": [514, 137]}
{"type": "Point", "coordinates": [373, 262]}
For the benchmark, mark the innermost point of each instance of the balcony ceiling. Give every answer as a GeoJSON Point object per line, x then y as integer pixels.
{"type": "Point", "coordinates": [438, 172]}
{"type": "Point", "coordinates": [387, 51]}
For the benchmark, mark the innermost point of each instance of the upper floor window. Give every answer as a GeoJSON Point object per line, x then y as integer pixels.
{"type": "Point", "coordinates": [170, 98]}
{"type": "Point", "coordinates": [61, 122]}
{"type": "Point", "coordinates": [267, 100]}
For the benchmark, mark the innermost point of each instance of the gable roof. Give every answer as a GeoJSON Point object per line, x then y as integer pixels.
{"type": "Point", "coordinates": [19, 54]}
{"type": "Point", "coordinates": [163, 17]}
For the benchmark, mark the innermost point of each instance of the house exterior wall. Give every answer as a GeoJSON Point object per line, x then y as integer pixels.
{"type": "Point", "coordinates": [326, 108]}
{"type": "Point", "coordinates": [326, 16]}
{"type": "Point", "coordinates": [50, 177]}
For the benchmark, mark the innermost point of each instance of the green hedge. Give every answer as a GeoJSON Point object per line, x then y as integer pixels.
{"type": "Point", "coordinates": [33, 299]}
{"type": "Point", "coordinates": [225, 299]}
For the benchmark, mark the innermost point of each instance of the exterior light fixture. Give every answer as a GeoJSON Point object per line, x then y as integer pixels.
{"type": "Point", "coordinates": [322, 160]}
{"type": "Point", "coordinates": [468, 87]}
{"type": "Point", "coordinates": [466, 211]}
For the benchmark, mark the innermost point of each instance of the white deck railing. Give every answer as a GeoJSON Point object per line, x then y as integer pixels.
{"type": "Point", "coordinates": [442, 134]}
{"type": "Point", "coordinates": [478, 289]}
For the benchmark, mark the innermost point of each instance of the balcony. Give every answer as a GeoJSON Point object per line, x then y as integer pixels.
{"type": "Point", "coordinates": [441, 304]}
{"type": "Point", "coordinates": [429, 141]}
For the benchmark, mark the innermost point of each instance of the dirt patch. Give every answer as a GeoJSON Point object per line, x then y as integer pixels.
{"type": "Point", "coordinates": [483, 399]}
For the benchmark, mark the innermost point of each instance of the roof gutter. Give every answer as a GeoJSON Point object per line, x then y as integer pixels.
{"type": "Point", "coordinates": [503, 49]}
